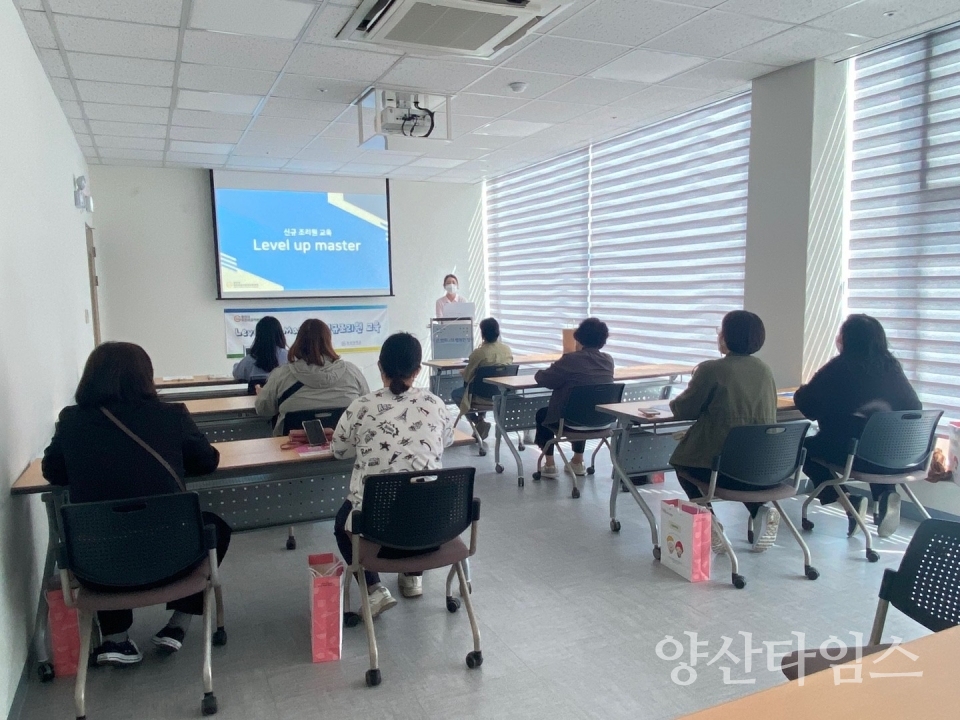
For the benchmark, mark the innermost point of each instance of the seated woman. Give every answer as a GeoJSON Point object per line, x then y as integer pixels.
{"type": "Point", "coordinates": [586, 366]}
{"type": "Point", "coordinates": [864, 378]}
{"type": "Point", "coordinates": [268, 351]}
{"type": "Point", "coordinates": [316, 377]}
{"type": "Point", "coordinates": [738, 389]}
{"type": "Point", "coordinates": [398, 428]}
{"type": "Point", "coordinates": [93, 454]}
{"type": "Point", "coordinates": [490, 352]}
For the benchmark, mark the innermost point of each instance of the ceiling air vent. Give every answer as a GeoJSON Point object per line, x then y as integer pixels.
{"type": "Point", "coordinates": [476, 28]}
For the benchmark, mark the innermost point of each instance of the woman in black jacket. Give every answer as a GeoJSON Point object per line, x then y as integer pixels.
{"type": "Point", "coordinates": [92, 455]}
{"type": "Point", "coordinates": [864, 378]}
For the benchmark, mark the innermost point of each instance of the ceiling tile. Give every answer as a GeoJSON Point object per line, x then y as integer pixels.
{"type": "Point", "coordinates": [39, 29]}
{"type": "Point", "coordinates": [187, 146]}
{"type": "Point", "coordinates": [288, 126]}
{"type": "Point", "coordinates": [63, 88]}
{"type": "Point", "coordinates": [227, 80]}
{"type": "Point", "coordinates": [384, 157]}
{"type": "Point", "coordinates": [868, 17]}
{"type": "Point", "coordinates": [359, 169]}
{"type": "Point", "coordinates": [256, 162]}
{"type": "Point", "coordinates": [121, 94]}
{"type": "Point", "coordinates": [627, 22]}
{"type": "Point", "coordinates": [704, 3]}
{"type": "Point", "coordinates": [433, 75]}
{"type": "Point", "coordinates": [264, 18]}
{"type": "Point", "coordinates": [497, 82]}
{"type": "Point", "coordinates": [789, 11]}
{"type": "Point", "coordinates": [341, 130]}
{"type": "Point", "coordinates": [489, 142]}
{"type": "Point", "coordinates": [196, 158]}
{"type": "Point", "coordinates": [155, 12]}
{"type": "Point", "coordinates": [303, 109]}
{"type": "Point", "coordinates": [210, 135]}
{"type": "Point", "coordinates": [134, 143]}
{"type": "Point", "coordinates": [271, 144]}
{"type": "Point", "coordinates": [235, 50]}
{"type": "Point", "coordinates": [648, 66]}
{"type": "Point", "coordinates": [408, 172]}
{"type": "Point", "coordinates": [327, 23]}
{"type": "Point", "coordinates": [311, 166]}
{"type": "Point", "coordinates": [434, 162]}
{"type": "Point", "coordinates": [52, 62]}
{"type": "Point", "coordinates": [71, 109]}
{"type": "Point", "coordinates": [117, 38]}
{"type": "Point", "coordinates": [84, 141]}
{"type": "Point", "coordinates": [715, 34]}
{"type": "Point", "coordinates": [121, 69]}
{"type": "Point", "coordinates": [106, 127]}
{"type": "Point", "coordinates": [323, 145]}
{"type": "Point", "coordinates": [796, 45]}
{"type": "Point", "coordinates": [320, 153]}
{"type": "Point", "coordinates": [593, 91]}
{"type": "Point", "coordinates": [306, 87]}
{"type": "Point", "coordinates": [217, 102]}
{"type": "Point", "coordinates": [457, 153]}
{"type": "Point", "coordinates": [219, 121]}
{"type": "Point", "coordinates": [660, 99]}
{"type": "Point", "coordinates": [565, 55]}
{"type": "Point", "coordinates": [126, 113]}
{"type": "Point", "coordinates": [30, 4]}
{"type": "Point", "coordinates": [485, 105]}
{"type": "Point", "coordinates": [462, 124]}
{"type": "Point", "coordinates": [128, 154]}
{"type": "Point", "coordinates": [512, 128]}
{"type": "Point", "coordinates": [719, 75]}
{"type": "Point", "coordinates": [79, 126]}
{"type": "Point", "coordinates": [544, 111]}
{"type": "Point", "coordinates": [342, 63]}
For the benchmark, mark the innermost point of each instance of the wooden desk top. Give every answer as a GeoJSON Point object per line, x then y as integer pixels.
{"type": "Point", "coordinates": [195, 381]}
{"type": "Point", "coordinates": [934, 695]}
{"type": "Point", "coordinates": [633, 411]}
{"type": "Point", "coordinates": [234, 455]}
{"type": "Point", "coordinates": [207, 406]}
{"type": "Point", "coordinates": [460, 363]}
{"type": "Point", "coordinates": [633, 372]}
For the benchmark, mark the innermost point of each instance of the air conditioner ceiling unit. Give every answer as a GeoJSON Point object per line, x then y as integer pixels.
{"type": "Point", "coordinates": [476, 28]}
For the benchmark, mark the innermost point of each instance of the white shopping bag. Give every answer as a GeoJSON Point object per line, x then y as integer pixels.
{"type": "Point", "coordinates": [685, 535]}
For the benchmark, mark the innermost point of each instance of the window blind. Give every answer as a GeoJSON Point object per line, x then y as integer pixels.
{"type": "Point", "coordinates": [537, 226]}
{"type": "Point", "coordinates": [904, 233]}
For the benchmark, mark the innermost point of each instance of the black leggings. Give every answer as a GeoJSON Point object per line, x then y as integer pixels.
{"type": "Point", "coordinates": [724, 481]}
{"type": "Point", "coordinates": [346, 544]}
{"type": "Point", "coordinates": [119, 621]}
{"type": "Point", "coordinates": [545, 434]}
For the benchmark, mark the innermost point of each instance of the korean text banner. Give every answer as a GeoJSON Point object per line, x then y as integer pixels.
{"type": "Point", "coordinates": [355, 328]}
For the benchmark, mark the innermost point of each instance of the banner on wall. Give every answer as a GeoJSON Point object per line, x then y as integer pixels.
{"type": "Point", "coordinates": [355, 328]}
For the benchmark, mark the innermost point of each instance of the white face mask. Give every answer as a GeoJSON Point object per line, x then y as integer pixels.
{"type": "Point", "coordinates": [450, 288]}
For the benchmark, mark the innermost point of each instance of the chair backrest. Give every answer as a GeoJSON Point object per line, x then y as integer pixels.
{"type": "Point", "coordinates": [581, 408]}
{"type": "Point", "coordinates": [641, 391]}
{"type": "Point", "coordinates": [763, 455]}
{"type": "Point", "coordinates": [132, 543]}
{"type": "Point", "coordinates": [926, 587]}
{"type": "Point", "coordinates": [481, 389]}
{"type": "Point", "coordinates": [254, 383]}
{"type": "Point", "coordinates": [899, 440]}
{"type": "Point", "coordinates": [417, 510]}
{"type": "Point", "coordinates": [328, 416]}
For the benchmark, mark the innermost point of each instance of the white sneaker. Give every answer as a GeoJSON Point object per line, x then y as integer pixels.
{"type": "Point", "coordinates": [410, 585]}
{"type": "Point", "coordinates": [766, 525]}
{"type": "Point", "coordinates": [889, 513]}
{"type": "Point", "coordinates": [549, 471]}
{"type": "Point", "coordinates": [716, 537]}
{"type": "Point", "coordinates": [579, 469]}
{"type": "Point", "coordinates": [380, 601]}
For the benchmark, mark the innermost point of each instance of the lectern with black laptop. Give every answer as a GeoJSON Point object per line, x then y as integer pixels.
{"type": "Point", "coordinates": [452, 339]}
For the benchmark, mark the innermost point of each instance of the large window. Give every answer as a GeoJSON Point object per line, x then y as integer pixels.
{"type": "Point", "coordinates": [646, 231]}
{"type": "Point", "coordinates": [904, 234]}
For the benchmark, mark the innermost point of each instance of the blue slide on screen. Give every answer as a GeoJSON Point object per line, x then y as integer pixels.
{"type": "Point", "coordinates": [282, 243]}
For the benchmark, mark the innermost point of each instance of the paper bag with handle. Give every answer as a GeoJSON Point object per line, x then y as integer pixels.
{"type": "Point", "coordinates": [326, 606]}
{"type": "Point", "coordinates": [685, 535]}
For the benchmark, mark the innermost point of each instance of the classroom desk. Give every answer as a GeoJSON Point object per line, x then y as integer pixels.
{"type": "Point", "coordinates": [515, 407]}
{"type": "Point", "coordinates": [196, 387]}
{"type": "Point", "coordinates": [229, 418]}
{"type": "Point", "coordinates": [445, 376]}
{"type": "Point", "coordinates": [642, 444]}
{"type": "Point", "coordinates": [935, 695]}
{"type": "Point", "coordinates": [189, 381]}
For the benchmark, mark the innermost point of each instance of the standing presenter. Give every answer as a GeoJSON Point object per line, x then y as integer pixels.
{"type": "Point", "coordinates": [451, 285]}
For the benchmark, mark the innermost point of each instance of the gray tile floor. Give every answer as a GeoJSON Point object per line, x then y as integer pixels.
{"type": "Point", "coordinates": [571, 616]}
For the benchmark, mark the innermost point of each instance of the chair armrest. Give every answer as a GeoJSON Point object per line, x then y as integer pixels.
{"type": "Point", "coordinates": [886, 584]}
{"type": "Point", "coordinates": [210, 541]}
{"type": "Point", "coordinates": [475, 515]}
{"type": "Point", "coordinates": [210, 537]}
{"type": "Point", "coordinates": [714, 473]}
{"type": "Point", "coordinates": [66, 583]}
{"type": "Point", "coordinates": [796, 474]}
{"type": "Point", "coordinates": [851, 456]}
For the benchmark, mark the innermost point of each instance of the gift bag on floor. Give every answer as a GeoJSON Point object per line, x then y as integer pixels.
{"type": "Point", "coordinates": [326, 606]}
{"type": "Point", "coordinates": [685, 535]}
{"type": "Point", "coordinates": [64, 631]}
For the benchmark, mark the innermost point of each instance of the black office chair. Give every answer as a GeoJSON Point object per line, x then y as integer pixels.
{"type": "Point", "coordinates": [253, 384]}
{"type": "Point", "coordinates": [580, 420]}
{"type": "Point", "coordinates": [898, 446]}
{"type": "Point", "coordinates": [128, 545]}
{"type": "Point", "coordinates": [424, 512]}
{"type": "Point", "coordinates": [480, 394]}
{"type": "Point", "coordinates": [925, 588]}
{"type": "Point", "coordinates": [768, 457]}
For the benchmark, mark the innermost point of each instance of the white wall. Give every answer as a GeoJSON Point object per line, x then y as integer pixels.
{"type": "Point", "coordinates": [154, 238]}
{"type": "Point", "coordinates": [44, 293]}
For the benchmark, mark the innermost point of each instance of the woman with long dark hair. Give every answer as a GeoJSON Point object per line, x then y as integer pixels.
{"type": "Point", "coordinates": [864, 378]}
{"type": "Point", "coordinates": [268, 351]}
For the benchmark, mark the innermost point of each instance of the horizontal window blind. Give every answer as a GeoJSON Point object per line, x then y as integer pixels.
{"type": "Point", "coordinates": [904, 235]}
{"type": "Point", "coordinates": [668, 233]}
{"type": "Point", "coordinates": [537, 225]}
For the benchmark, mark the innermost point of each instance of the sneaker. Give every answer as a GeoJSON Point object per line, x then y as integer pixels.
{"type": "Point", "coordinates": [411, 586]}
{"type": "Point", "coordinates": [860, 504]}
{"type": "Point", "coordinates": [766, 523]}
{"type": "Point", "coordinates": [170, 639]}
{"type": "Point", "coordinates": [716, 537]}
{"type": "Point", "coordinates": [889, 514]}
{"type": "Point", "coordinates": [549, 471]}
{"type": "Point", "coordinates": [118, 653]}
{"type": "Point", "coordinates": [579, 469]}
{"type": "Point", "coordinates": [483, 428]}
{"type": "Point", "coordinates": [380, 601]}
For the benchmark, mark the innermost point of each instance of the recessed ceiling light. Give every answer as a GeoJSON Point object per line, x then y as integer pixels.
{"type": "Point", "coordinates": [890, 13]}
{"type": "Point", "coordinates": [518, 86]}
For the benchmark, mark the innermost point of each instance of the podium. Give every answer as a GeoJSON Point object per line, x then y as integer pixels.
{"type": "Point", "coordinates": [452, 339]}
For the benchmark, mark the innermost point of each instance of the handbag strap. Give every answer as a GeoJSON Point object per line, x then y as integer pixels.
{"type": "Point", "coordinates": [140, 441]}
{"type": "Point", "coordinates": [288, 393]}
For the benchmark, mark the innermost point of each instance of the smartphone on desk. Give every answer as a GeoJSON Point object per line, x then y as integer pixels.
{"type": "Point", "coordinates": [315, 433]}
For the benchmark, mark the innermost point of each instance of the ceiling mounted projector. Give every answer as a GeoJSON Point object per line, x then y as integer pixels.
{"type": "Point", "coordinates": [475, 28]}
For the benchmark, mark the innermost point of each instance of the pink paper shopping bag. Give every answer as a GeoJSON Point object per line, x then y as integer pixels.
{"type": "Point", "coordinates": [326, 606]}
{"type": "Point", "coordinates": [685, 535]}
{"type": "Point", "coordinates": [64, 635]}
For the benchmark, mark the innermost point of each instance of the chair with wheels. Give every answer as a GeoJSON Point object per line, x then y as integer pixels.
{"type": "Point", "coordinates": [121, 547]}
{"type": "Point", "coordinates": [580, 420]}
{"type": "Point", "coordinates": [897, 448]}
{"type": "Point", "coordinates": [925, 588]}
{"type": "Point", "coordinates": [411, 522]}
{"type": "Point", "coordinates": [480, 394]}
{"type": "Point", "coordinates": [294, 421]}
{"type": "Point", "coordinates": [768, 457]}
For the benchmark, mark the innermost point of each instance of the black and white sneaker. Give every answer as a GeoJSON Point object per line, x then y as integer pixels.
{"type": "Point", "coordinates": [170, 639]}
{"type": "Point", "coordinates": [118, 653]}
